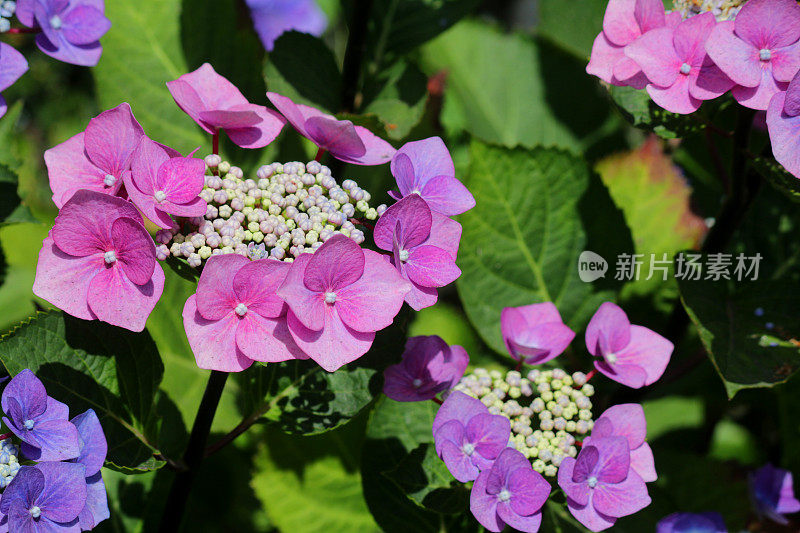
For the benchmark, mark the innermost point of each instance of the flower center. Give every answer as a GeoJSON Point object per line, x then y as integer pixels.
{"type": "Point", "coordinates": [160, 196]}
{"type": "Point", "coordinates": [592, 482]}
{"type": "Point", "coordinates": [56, 23]}
{"type": "Point", "coordinates": [504, 495]}
{"type": "Point", "coordinates": [404, 255]}
{"type": "Point", "coordinates": [35, 512]}
{"type": "Point", "coordinates": [110, 257]}
{"type": "Point", "coordinates": [330, 297]}
{"type": "Point", "coordinates": [765, 54]}
{"type": "Point", "coordinates": [28, 424]}
{"type": "Point", "coordinates": [109, 180]}
{"type": "Point", "coordinates": [686, 68]}
{"type": "Point", "coordinates": [468, 448]}
{"type": "Point", "coordinates": [610, 358]}
{"type": "Point", "coordinates": [417, 383]}
{"type": "Point", "coordinates": [241, 309]}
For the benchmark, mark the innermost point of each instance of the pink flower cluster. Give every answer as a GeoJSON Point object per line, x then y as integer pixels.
{"type": "Point", "coordinates": [682, 63]}
{"type": "Point", "coordinates": [99, 261]}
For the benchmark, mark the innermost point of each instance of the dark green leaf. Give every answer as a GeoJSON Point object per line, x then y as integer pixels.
{"type": "Point", "coordinates": [744, 350]}
{"type": "Point", "coordinates": [11, 209]}
{"type": "Point", "coordinates": [573, 27]}
{"type": "Point", "coordinates": [397, 96]}
{"type": "Point", "coordinates": [537, 210]}
{"type": "Point", "coordinates": [94, 365]}
{"type": "Point", "coordinates": [778, 177]}
{"type": "Point", "coordinates": [642, 112]}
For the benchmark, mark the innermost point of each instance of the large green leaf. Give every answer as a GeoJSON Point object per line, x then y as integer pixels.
{"type": "Point", "coordinates": [748, 329]}
{"type": "Point", "coordinates": [140, 54]}
{"type": "Point", "coordinates": [573, 27]}
{"type": "Point", "coordinates": [397, 96]}
{"type": "Point", "coordinates": [89, 364]}
{"type": "Point", "coordinates": [537, 210]}
{"type": "Point", "coordinates": [21, 244]}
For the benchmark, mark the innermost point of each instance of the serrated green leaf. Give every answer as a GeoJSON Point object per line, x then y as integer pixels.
{"type": "Point", "coordinates": [140, 54]}
{"type": "Point", "coordinates": [94, 365]}
{"type": "Point", "coordinates": [537, 210]}
{"type": "Point", "coordinates": [746, 352]}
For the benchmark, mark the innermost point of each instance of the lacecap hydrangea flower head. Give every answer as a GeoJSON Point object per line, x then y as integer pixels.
{"type": "Point", "coordinates": [519, 434]}
{"type": "Point", "coordinates": [50, 465]}
{"type": "Point", "coordinates": [286, 264]}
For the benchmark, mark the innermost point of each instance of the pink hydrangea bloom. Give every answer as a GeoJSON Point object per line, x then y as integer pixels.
{"type": "Point", "coordinates": [161, 183]}
{"type": "Point", "coordinates": [535, 333]}
{"type": "Point", "coordinates": [760, 50]}
{"type": "Point", "coordinates": [338, 298]}
{"type": "Point", "coordinates": [675, 62]}
{"type": "Point", "coordinates": [344, 140]}
{"type": "Point", "coordinates": [627, 420]}
{"type": "Point", "coordinates": [783, 122]}
{"type": "Point", "coordinates": [424, 245]}
{"type": "Point", "coordinates": [426, 168]}
{"type": "Point", "coordinates": [99, 263]}
{"type": "Point", "coordinates": [236, 318]}
{"type": "Point", "coordinates": [216, 104]}
{"type": "Point", "coordinates": [12, 66]}
{"type": "Point", "coordinates": [96, 158]}
{"type": "Point", "coordinates": [632, 355]}
{"type": "Point", "coordinates": [71, 29]}
{"type": "Point", "coordinates": [428, 367]}
{"type": "Point", "coordinates": [623, 23]}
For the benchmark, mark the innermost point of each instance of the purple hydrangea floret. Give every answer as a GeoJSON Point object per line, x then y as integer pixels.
{"type": "Point", "coordinates": [272, 18]}
{"type": "Point", "coordinates": [428, 366]}
{"type": "Point", "coordinates": [772, 493]}
{"type": "Point", "coordinates": [708, 522]}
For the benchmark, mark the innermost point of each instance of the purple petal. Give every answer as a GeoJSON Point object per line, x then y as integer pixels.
{"type": "Point", "coordinates": [737, 58]}
{"type": "Point", "coordinates": [457, 406]}
{"type": "Point", "coordinates": [529, 491]}
{"type": "Point", "coordinates": [94, 446]}
{"type": "Point", "coordinates": [458, 463]}
{"type": "Point", "coordinates": [627, 73]}
{"type": "Point", "coordinates": [655, 54]}
{"type": "Point", "coordinates": [336, 264]}
{"type": "Point", "coordinates": [709, 522]}
{"type": "Point", "coordinates": [70, 170]}
{"type": "Point", "coordinates": [24, 12]}
{"type": "Point", "coordinates": [769, 23]}
{"type": "Point", "coordinates": [414, 216]}
{"type": "Point", "coordinates": [294, 113]}
{"type": "Point", "coordinates": [64, 493]}
{"type": "Point", "coordinates": [786, 62]}
{"type": "Point", "coordinates": [791, 105]}
{"type": "Point", "coordinates": [24, 490]}
{"type": "Point", "coordinates": [613, 460]}
{"type": "Point", "coordinates": [489, 434]}
{"type": "Point", "coordinates": [225, 118]}
{"type": "Point", "coordinates": [621, 499]}
{"type": "Point", "coordinates": [118, 301]}
{"type": "Point", "coordinates": [84, 25]}
{"type": "Point", "coordinates": [647, 350]}
{"type": "Point", "coordinates": [527, 523]}
{"type": "Point", "coordinates": [629, 375]}
{"type": "Point", "coordinates": [521, 326]}
{"type": "Point", "coordinates": [609, 325]}
{"type": "Point", "coordinates": [181, 179]}
{"type": "Point", "coordinates": [445, 234]}
{"type": "Point", "coordinates": [266, 339]}
{"type": "Point", "coordinates": [96, 508]}
{"type": "Point", "coordinates": [63, 280]}
{"type": "Point", "coordinates": [574, 485]}
{"type": "Point", "coordinates": [255, 284]}
{"type": "Point", "coordinates": [334, 346]}
{"type": "Point", "coordinates": [690, 37]}
{"type": "Point", "coordinates": [710, 82]}
{"type": "Point", "coordinates": [204, 90]}
{"type": "Point", "coordinates": [508, 462]}
{"type": "Point", "coordinates": [306, 303]}
{"type": "Point", "coordinates": [260, 134]}
{"type": "Point", "coordinates": [588, 516]}
{"type": "Point", "coordinates": [213, 342]}
{"type": "Point", "coordinates": [759, 97]}
{"type": "Point", "coordinates": [134, 250]}
{"type": "Point", "coordinates": [339, 137]}
{"type": "Point", "coordinates": [421, 161]}
{"type": "Point", "coordinates": [55, 440]}
{"type": "Point", "coordinates": [12, 66]}
{"type": "Point", "coordinates": [484, 505]}
{"type": "Point", "coordinates": [447, 195]}
{"type": "Point", "coordinates": [85, 55]}
{"type": "Point", "coordinates": [642, 463]}
{"type": "Point", "coordinates": [649, 14]}
{"type": "Point", "coordinates": [541, 343]}
{"type": "Point", "coordinates": [29, 393]}
{"type": "Point", "coordinates": [430, 266]}
{"type": "Point", "coordinates": [379, 152]}
{"type": "Point", "coordinates": [272, 18]}
{"type": "Point", "coordinates": [189, 101]}
{"type": "Point", "coordinates": [627, 420]}
{"type": "Point", "coordinates": [216, 297]}
{"type": "Point", "coordinates": [3, 106]}
{"type": "Point", "coordinates": [784, 134]}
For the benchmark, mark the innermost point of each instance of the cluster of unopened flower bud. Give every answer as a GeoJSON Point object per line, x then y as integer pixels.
{"type": "Point", "coordinates": [722, 9]}
{"type": "Point", "coordinates": [9, 462]}
{"type": "Point", "coordinates": [287, 210]}
{"type": "Point", "coordinates": [7, 10]}
{"type": "Point", "coordinates": [548, 409]}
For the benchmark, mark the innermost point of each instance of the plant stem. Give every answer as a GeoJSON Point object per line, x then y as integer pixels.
{"type": "Point", "coordinates": [243, 426]}
{"type": "Point", "coordinates": [193, 456]}
{"type": "Point", "coordinates": [22, 30]}
{"type": "Point", "coordinates": [215, 143]}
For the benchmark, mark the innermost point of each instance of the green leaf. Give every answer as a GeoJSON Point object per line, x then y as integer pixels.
{"type": "Point", "coordinates": [21, 244]}
{"type": "Point", "coordinates": [89, 364]}
{"type": "Point", "coordinates": [537, 210]}
{"type": "Point", "coordinates": [303, 68]}
{"type": "Point", "coordinates": [575, 27]}
{"type": "Point", "coordinates": [140, 54]}
{"type": "Point", "coordinates": [11, 209]}
{"type": "Point", "coordinates": [637, 107]}
{"type": "Point", "coordinates": [397, 96]}
{"type": "Point", "coordinates": [7, 134]}
{"type": "Point", "coordinates": [778, 177]}
{"type": "Point", "coordinates": [734, 442]}
{"type": "Point", "coordinates": [672, 413]}
{"type": "Point", "coordinates": [744, 351]}
{"type": "Point", "coordinates": [502, 89]}
{"type": "Point", "coordinates": [312, 484]}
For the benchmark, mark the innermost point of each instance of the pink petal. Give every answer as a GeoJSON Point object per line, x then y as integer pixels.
{"type": "Point", "coordinates": [530, 491]}
{"type": "Point", "coordinates": [759, 97]}
{"type": "Point", "coordinates": [614, 459]}
{"type": "Point", "coordinates": [189, 101]}
{"type": "Point", "coordinates": [83, 226]}
{"type": "Point", "coordinates": [605, 56]}
{"type": "Point", "coordinates": [445, 234]}
{"type": "Point", "coordinates": [627, 73]}
{"type": "Point", "coordinates": [372, 302]}
{"type": "Point", "coordinates": [626, 420]}
{"type": "Point", "coordinates": [134, 250]}
{"type": "Point", "coordinates": [266, 339]}
{"type": "Point", "coordinates": [227, 118]}
{"type": "Point", "coordinates": [655, 54]}
{"type": "Point", "coordinates": [769, 23]}
{"type": "Point", "coordinates": [589, 517]}
{"type": "Point", "coordinates": [85, 25]}
{"type": "Point", "coordinates": [649, 14]}
{"type": "Point", "coordinates": [255, 285]}
{"type": "Point", "coordinates": [12, 66]}
{"type": "Point", "coordinates": [196, 207]}
{"type": "Point", "coordinates": [403, 172]}
{"type": "Point", "coordinates": [423, 160]}
{"type": "Point", "coordinates": [414, 216]}
{"type": "Point", "coordinates": [784, 134]}
{"type": "Point", "coordinates": [70, 170]}
{"type": "Point", "coordinates": [447, 196]}
{"type": "Point", "coordinates": [260, 134]}
{"type": "Point", "coordinates": [619, 22]}
{"type": "Point", "coordinates": [621, 499]}
{"type": "Point", "coordinates": [737, 58]}
{"type": "Point", "coordinates": [332, 347]}
{"type": "Point", "coordinates": [216, 297]}
{"type": "Point", "coordinates": [181, 179]}
{"type": "Point", "coordinates": [146, 161]}
{"type": "Point", "coordinates": [430, 266]}
{"type": "Point", "coordinates": [675, 99]}
{"type": "Point", "coordinates": [294, 113]}
{"type": "Point", "coordinates": [541, 343]}
{"type": "Point", "coordinates": [204, 90]}
{"type": "Point", "coordinates": [213, 342]}
{"type": "Point", "coordinates": [307, 304]}
{"type": "Point", "coordinates": [24, 12]}
{"type": "Point", "coordinates": [690, 37]}
{"type": "Point", "coordinates": [420, 297]}
{"type": "Point", "coordinates": [379, 152]}
{"type": "Point", "coordinates": [111, 139]}
{"type": "Point", "coordinates": [63, 280]}
{"type": "Point", "coordinates": [629, 375]}
{"type": "Point", "coordinates": [612, 322]}
{"type": "Point", "coordinates": [147, 204]}
{"type": "Point", "coordinates": [786, 62]}
{"type": "Point", "coordinates": [710, 82]}
{"type": "Point", "coordinates": [336, 264]}
{"type": "Point", "coordinates": [648, 350]}
{"type": "Point", "coordinates": [575, 489]}
{"type": "Point", "coordinates": [339, 137]}
{"type": "Point", "coordinates": [484, 505]}
{"type": "Point", "coordinates": [791, 105]}
{"type": "Point", "coordinates": [120, 302]}
{"type": "Point", "coordinates": [642, 463]}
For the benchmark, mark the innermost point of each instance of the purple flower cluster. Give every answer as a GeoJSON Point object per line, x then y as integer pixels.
{"type": "Point", "coordinates": [753, 52]}
{"type": "Point", "coordinates": [60, 487]}
{"type": "Point", "coordinates": [99, 262]}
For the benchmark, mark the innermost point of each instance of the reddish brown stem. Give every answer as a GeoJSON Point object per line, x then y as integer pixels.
{"type": "Point", "coordinates": [22, 30]}
{"type": "Point", "coordinates": [320, 153]}
{"type": "Point", "coordinates": [437, 400]}
{"type": "Point", "coordinates": [215, 143]}
{"type": "Point", "coordinates": [591, 374]}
